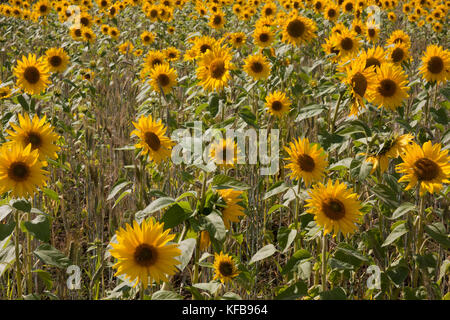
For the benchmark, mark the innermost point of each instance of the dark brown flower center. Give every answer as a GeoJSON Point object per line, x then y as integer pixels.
{"type": "Point", "coordinates": [358, 30]}
{"type": "Point", "coordinates": [426, 169]}
{"type": "Point", "coordinates": [277, 105]}
{"type": "Point", "coordinates": [347, 44]}
{"type": "Point", "coordinates": [146, 39]}
{"type": "Point", "coordinates": [372, 61]}
{"type": "Point", "coordinates": [217, 20]}
{"type": "Point", "coordinates": [333, 209]}
{"type": "Point", "coordinates": [217, 68]}
{"type": "Point", "coordinates": [32, 75]}
{"type": "Point", "coordinates": [153, 13]}
{"type": "Point", "coordinates": [55, 61]}
{"type": "Point", "coordinates": [296, 28]}
{"type": "Point", "coordinates": [397, 55]}
{"type": "Point", "coordinates": [371, 33]}
{"type": "Point", "coordinates": [359, 83]}
{"type": "Point", "coordinates": [78, 33]}
{"type": "Point", "coordinates": [156, 62]}
{"type": "Point", "coordinates": [268, 11]}
{"type": "Point", "coordinates": [226, 269]}
{"type": "Point", "coordinates": [43, 8]}
{"type": "Point", "coordinates": [84, 21]}
{"type": "Point", "coordinates": [224, 154]}
{"type": "Point", "coordinates": [263, 37]}
{"type": "Point", "coordinates": [387, 88]}
{"type": "Point", "coordinates": [318, 5]}
{"type": "Point", "coordinates": [152, 141]}
{"type": "Point", "coordinates": [435, 65]}
{"type": "Point", "coordinates": [257, 67]}
{"type": "Point", "coordinates": [163, 79]}
{"type": "Point", "coordinates": [33, 138]}
{"type": "Point", "coordinates": [145, 255]}
{"type": "Point", "coordinates": [349, 7]}
{"type": "Point", "coordinates": [331, 13]}
{"type": "Point", "coordinates": [18, 171]}
{"type": "Point", "coordinates": [306, 163]}
{"type": "Point", "coordinates": [204, 48]}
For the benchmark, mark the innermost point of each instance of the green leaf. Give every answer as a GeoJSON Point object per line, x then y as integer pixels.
{"type": "Point", "coordinates": [398, 272]}
{"type": "Point", "coordinates": [166, 295]}
{"type": "Point", "coordinates": [215, 226]}
{"type": "Point", "coordinates": [275, 207]}
{"type": "Point", "coordinates": [6, 229]}
{"type": "Point", "coordinates": [281, 188]}
{"type": "Point", "coordinates": [345, 253]}
{"type": "Point", "coordinates": [231, 296]}
{"type": "Point", "coordinates": [336, 264]}
{"type": "Point", "coordinates": [365, 169]}
{"type": "Point", "coordinates": [335, 294]}
{"type": "Point", "coordinates": [23, 103]}
{"type": "Point", "coordinates": [263, 253]}
{"type": "Point", "coordinates": [174, 216]}
{"type": "Point", "coordinates": [402, 210]}
{"type": "Point", "coordinates": [51, 193]}
{"type": "Point", "coordinates": [116, 189]}
{"type": "Point", "coordinates": [248, 116]}
{"type": "Point", "coordinates": [156, 205]}
{"type": "Point", "coordinates": [222, 181]}
{"type": "Point", "coordinates": [213, 106]}
{"type": "Point", "coordinates": [51, 256]}
{"type": "Point", "coordinates": [309, 112]}
{"type": "Point", "coordinates": [295, 291]}
{"type": "Point", "coordinates": [22, 205]}
{"type": "Point", "coordinates": [298, 256]}
{"type": "Point", "coordinates": [285, 237]}
{"type": "Point", "coordinates": [211, 287]}
{"type": "Point", "coordinates": [187, 248]}
{"type": "Point", "coordinates": [398, 231]}
{"type": "Point", "coordinates": [46, 277]}
{"type": "Point", "coordinates": [438, 233]}
{"type": "Point", "coordinates": [5, 210]}
{"type": "Point", "coordinates": [39, 227]}
{"type": "Point", "coordinates": [7, 255]}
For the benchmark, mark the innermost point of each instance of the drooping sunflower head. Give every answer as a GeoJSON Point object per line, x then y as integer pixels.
{"type": "Point", "coordinates": [224, 152]}
{"type": "Point", "coordinates": [335, 207]}
{"type": "Point", "coordinates": [306, 161]}
{"type": "Point", "coordinates": [163, 77]}
{"type": "Point", "coordinates": [20, 170]}
{"type": "Point", "coordinates": [32, 74]}
{"type": "Point", "coordinates": [214, 68]}
{"type": "Point", "coordinates": [36, 132]}
{"type": "Point", "coordinates": [435, 64]}
{"type": "Point", "coordinates": [144, 253]}
{"type": "Point", "coordinates": [277, 103]}
{"type": "Point", "coordinates": [152, 139]}
{"type": "Point", "coordinates": [390, 88]}
{"type": "Point", "coordinates": [232, 210]}
{"type": "Point", "coordinates": [427, 166]}
{"type": "Point", "coordinates": [224, 267]}
{"type": "Point", "coordinates": [257, 66]}
{"type": "Point", "coordinates": [298, 30]}
{"type": "Point", "coordinates": [57, 59]}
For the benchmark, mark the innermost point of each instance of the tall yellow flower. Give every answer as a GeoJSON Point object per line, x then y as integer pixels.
{"type": "Point", "coordinates": [32, 74]}
{"type": "Point", "coordinates": [57, 59]}
{"type": "Point", "coordinates": [257, 66]}
{"type": "Point", "coordinates": [214, 68]}
{"type": "Point", "coordinates": [233, 210]}
{"type": "Point", "coordinates": [435, 64]}
{"type": "Point", "coordinates": [224, 268]}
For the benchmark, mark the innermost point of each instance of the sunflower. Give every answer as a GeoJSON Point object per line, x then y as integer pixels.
{"type": "Point", "coordinates": [153, 59]}
{"type": "Point", "coordinates": [263, 37]}
{"type": "Point", "coordinates": [348, 6]}
{"type": "Point", "coordinates": [224, 267]}
{"type": "Point", "coordinates": [205, 240]}
{"type": "Point", "coordinates": [237, 39]}
{"type": "Point", "coordinates": [147, 37]}
{"type": "Point", "coordinates": [331, 11]}
{"type": "Point", "coordinates": [360, 80]}
{"type": "Point", "coordinates": [269, 9]}
{"type": "Point", "coordinates": [114, 33]}
{"type": "Point", "coordinates": [203, 44]}
{"type": "Point", "coordinates": [87, 74]}
{"type": "Point", "coordinates": [126, 47]}
{"type": "Point", "coordinates": [214, 68]}
{"type": "Point", "coordinates": [86, 19]}
{"type": "Point", "coordinates": [32, 74]}
{"type": "Point", "coordinates": [36, 132]}
{"type": "Point", "coordinates": [152, 139]}
{"type": "Point", "coordinates": [217, 20]}
{"type": "Point", "coordinates": [104, 29]}
{"type": "Point", "coordinates": [373, 57]}
{"type": "Point", "coordinates": [232, 210]}
{"type": "Point", "coordinates": [359, 27]}
{"type": "Point", "coordinates": [172, 54]}
{"type": "Point", "coordinates": [390, 87]}
{"type": "Point", "coordinates": [163, 77]}
{"type": "Point", "coordinates": [318, 6]}
{"type": "Point", "coordinates": [5, 91]}
{"type": "Point", "coordinates": [20, 170]}
{"type": "Point", "coordinates": [335, 207]}
{"type": "Point", "coordinates": [224, 152]}
{"type": "Point", "coordinates": [398, 54]}
{"type": "Point", "coordinates": [57, 59]}
{"type": "Point", "coordinates": [88, 34]}
{"type": "Point", "coordinates": [298, 29]}
{"type": "Point", "coordinates": [392, 17]}
{"type": "Point", "coordinates": [347, 43]}
{"type": "Point", "coordinates": [399, 36]}
{"type": "Point", "coordinates": [427, 166]}
{"type": "Point", "coordinates": [437, 27]}
{"type": "Point", "coordinates": [392, 148]}
{"type": "Point", "coordinates": [143, 252]}
{"type": "Point", "coordinates": [257, 66]}
{"type": "Point", "coordinates": [435, 64]}
{"type": "Point", "coordinates": [42, 7]}
{"type": "Point", "coordinates": [373, 33]}
{"type": "Point", "coordinates": [277, 103]}
{"type": "Point", "coordinates": [306, 161]}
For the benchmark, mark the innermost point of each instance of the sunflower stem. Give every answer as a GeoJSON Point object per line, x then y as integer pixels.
{"type": "Point", "coordinates": [17, 250]}
{"type": "Point", "coordinates": [336, 111]}
{"type": "Point", "coordinates": [419, 235]}
{"type": "Point", "coordinates": [324, 262]}
{"type": "Point", "coordinates": [29, 262]}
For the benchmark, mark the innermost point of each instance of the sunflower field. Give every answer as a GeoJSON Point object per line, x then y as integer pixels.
{"type": "Point", "coordinates": [224, 150]}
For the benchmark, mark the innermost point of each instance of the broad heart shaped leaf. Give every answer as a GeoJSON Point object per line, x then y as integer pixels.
{"type": "Point", "coordinates": [187, 248]}
{"type": "Point", "coordinates": [398, 231]}
{"type": "Point", "coordinates": [156, 205]}
{"type": "Point", "coordinates": [263, 253]}
{"type": "Point", "coordinates": [5, 211]}
{"type": "Point", "coordinates": [285, 238]}
{"type": "Point", "coordinates": [22, 205]}
{"type": "Point", "coordinates": [6, 230]}
{"type": "Point", "coordinates": [293, 261]}
{"type": "Point", "coordinates": [7, 255]}
{"type": "Point", "coordinates": [222, 181]}
{"type": "Point", "coordinates": [297, 290]}
{"type": "Point", "coordinates": [174, 216]}
{"type": "Point", "coordinates": [347, 254]}
{"type": "Point", "coordinates": [51, 256]}
{"type": "Point", "coordinates": [211, 287]}
{"type": "Point", "coordinates": [438, 233]}
{"type": "Point", "coordinates": [335, 294]}
{"type": "Point", "coordinates": [402, 210]}
{"type": "Point", "coordinates": [39, 227]}
{"type": "Point", "coordinates": [166, 295]}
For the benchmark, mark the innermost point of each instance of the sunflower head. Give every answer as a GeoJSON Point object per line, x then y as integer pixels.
{"type": "Point", "coordinates": [224, 267]}
{"type": "Point", "coordinates": [163, 78]}
{"type": "Point", "coordinates": [32, 74]}
{"type": "Point", "coordinates": [232, 210]}
{"type": "Point", "coordinates": [257, 66]}
{"type": "Point", "coordinates": [144, 254]}
{"type": "Point", "coordinates": [214, 68]}
{"type": "Point", "coordinates": [277, 103]}
{"type": "Point", "coordinates": [335, 207]}
{"type": "Point", "coordinates": [435, 64]}
{"type": "Point", "coordinates": [298, 30]}
{"type": "Point", "coordinates": [57, 59]}
{"type": "Point", "coordinates": [224, 153]}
